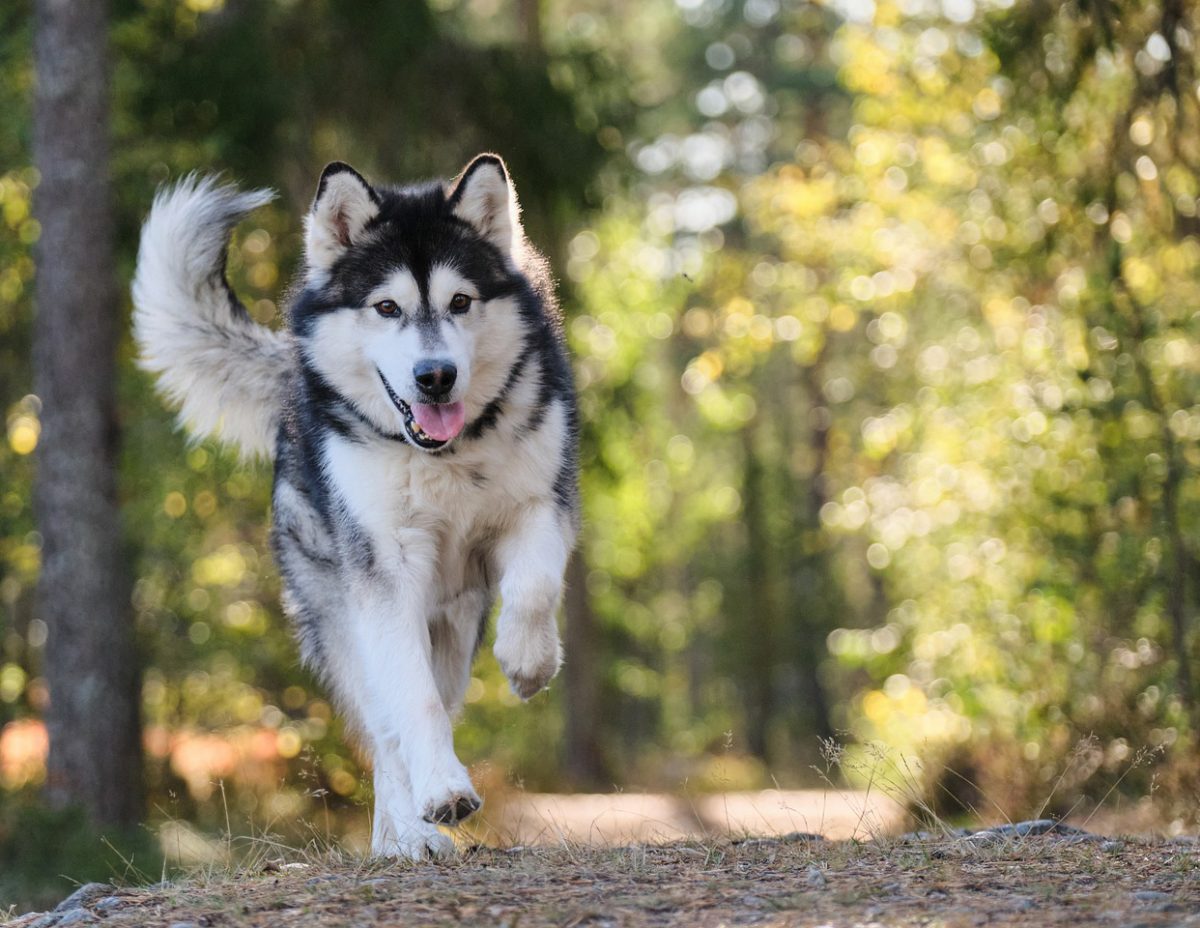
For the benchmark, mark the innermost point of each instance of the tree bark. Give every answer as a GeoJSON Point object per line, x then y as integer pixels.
{"type": "Point", "coordinates": [95, 754]}
{"type": "Point", "coordinates": [758, 627]}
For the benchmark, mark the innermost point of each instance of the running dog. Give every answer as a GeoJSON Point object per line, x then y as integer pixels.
{"type": "Point", "coordinates": [420, 411]}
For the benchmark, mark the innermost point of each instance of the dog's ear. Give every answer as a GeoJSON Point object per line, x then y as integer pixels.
{"type": "Point", "coordinates": [343, 206]}
{"type": "Point", "coordinates": [483, 196]}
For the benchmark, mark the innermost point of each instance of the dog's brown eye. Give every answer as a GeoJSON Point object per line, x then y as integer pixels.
{"type": "Point", "coordinates": [460, 303]}
{"type": "Point", "coordinates": [387, 308]}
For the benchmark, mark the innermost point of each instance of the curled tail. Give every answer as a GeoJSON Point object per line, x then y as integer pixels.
{"type": "Point", "coordinates": [226, 372]}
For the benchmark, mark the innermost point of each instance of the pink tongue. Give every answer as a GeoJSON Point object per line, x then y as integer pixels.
{"type": "Point", "coordinates": [441, 422]}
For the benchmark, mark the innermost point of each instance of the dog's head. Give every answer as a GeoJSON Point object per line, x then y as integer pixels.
{"type": "Point", "coordinates": [412, 300]}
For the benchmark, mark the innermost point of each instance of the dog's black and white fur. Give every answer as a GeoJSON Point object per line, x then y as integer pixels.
{"type": "Point", "coordinates": [421, 414]}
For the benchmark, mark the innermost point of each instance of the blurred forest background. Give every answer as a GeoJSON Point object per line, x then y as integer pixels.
{"type": "Point", "coordinates": [886, 319]}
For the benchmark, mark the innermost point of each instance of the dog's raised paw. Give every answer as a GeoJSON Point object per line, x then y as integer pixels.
{"type": "Point", "coordinates": [453, 811]}
{"type": "Point", "coordinates": [529, 654]}
{"type": "Point", "coordinates": [528, 687]}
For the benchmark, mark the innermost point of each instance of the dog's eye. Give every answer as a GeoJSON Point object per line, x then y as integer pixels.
{"type": "Point", "coordinates": [460, 303]}
{"type": "Point", "coordinates": [387, 308]}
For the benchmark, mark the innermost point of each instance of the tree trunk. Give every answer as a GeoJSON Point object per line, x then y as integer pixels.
{"type": "Point", "coordinates": [95, 755]}
{"type": "Point", "coordinates": [757, 627]}
{"type": "Point", "coordinates": [584, 761]}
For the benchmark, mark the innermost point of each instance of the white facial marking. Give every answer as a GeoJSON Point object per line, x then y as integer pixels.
{"type": "Point", "coordinates": [444, 282]}
{"type": "Point", "coordinates": [401, 287]}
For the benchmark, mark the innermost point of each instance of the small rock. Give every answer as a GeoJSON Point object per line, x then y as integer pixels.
{"type": "Point", "coordinates": [982, 839]}
{"type": "Point", "coordinates": [1151, 895]}
{"type": "Point", "coordinates": [49, 920]}
{"type": "Point", "coordinates": [76, 917]}
{"type": "Point", "coordinates": [918, 837]}
{"type": "Point", "coordinates": [815, 878]}
{"type": "Point", "coordinates": [1041, 826]}
{"type": "Point", "coordinates": [1112, 847]}
{"type": "Point", "coordinates": [84, 896]}
{"type": "Point", "coordinates": [183, 925]}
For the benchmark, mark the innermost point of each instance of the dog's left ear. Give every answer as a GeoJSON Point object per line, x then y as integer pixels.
{"type": "Point", "coordinates": [483, 196]}
{"type": "Point", "coordinates": [343, 206]}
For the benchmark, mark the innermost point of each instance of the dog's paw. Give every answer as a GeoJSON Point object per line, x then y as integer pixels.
{"type": "Point", "coordinates": [447, 799]}
{"type": "Point", "coordinates": [411, 840]}
{"type": "Point", "coordinates": [454, 810]}
{"type": "Point", "coordinates": [529, 654]}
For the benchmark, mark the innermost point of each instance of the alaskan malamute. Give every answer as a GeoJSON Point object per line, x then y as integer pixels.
{"type": "Point", "coordinates": [421, 413]}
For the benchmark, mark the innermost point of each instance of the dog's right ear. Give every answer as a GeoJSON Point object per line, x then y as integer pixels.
{"type": "Point", "coordinates": [343, 206]}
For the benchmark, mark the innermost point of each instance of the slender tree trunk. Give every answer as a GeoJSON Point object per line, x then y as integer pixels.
{"type": "Point", "coordinates": [529, 20]}
{"type": "Point", "coordinates": [816, 604]}
{"type": "Point", "coordinates": [95, 756]}
{"type": "Point", "coordinates": [584, 761]}
{"type": "Point", "coordinates": [759, 626]}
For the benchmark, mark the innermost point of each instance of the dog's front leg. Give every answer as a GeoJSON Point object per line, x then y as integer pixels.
{"type": "Point", "coordinates": [401, 706]}
{"type": "Point", "coordinates": [398, 830]}
{"type": "Point", "coordinates": [532, 556]}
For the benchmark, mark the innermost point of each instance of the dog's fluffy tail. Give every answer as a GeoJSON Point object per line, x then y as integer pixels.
{"type": "Point", "coordinates": [226, 372]}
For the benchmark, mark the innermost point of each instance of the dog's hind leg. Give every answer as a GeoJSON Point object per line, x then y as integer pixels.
{"type": "Point", "coordinates": [455, 636]}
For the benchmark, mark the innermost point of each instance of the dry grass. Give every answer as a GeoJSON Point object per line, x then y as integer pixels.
{"type": "Point", "coordinates": [778, 882]}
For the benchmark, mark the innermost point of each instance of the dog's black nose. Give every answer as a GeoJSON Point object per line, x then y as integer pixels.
{"type": "Point", "coordinates": [435, 377]}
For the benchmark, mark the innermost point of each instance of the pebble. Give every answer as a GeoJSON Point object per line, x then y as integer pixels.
{"type": "Point", "coordinates": [793, 837]}
{"type": "Point", "coordinates": [84, 896]}
{"type": "Point", "coordinates": [183, 925]}
{"type": "Point", "coordinates": [1151, 895]}
{"type": "Point", "coordinates": [1112, 847]}
{"type": "Point", "coordinates": [815, 877]}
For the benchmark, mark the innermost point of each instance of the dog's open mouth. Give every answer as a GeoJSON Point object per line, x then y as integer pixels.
{"type": "Point", "coordinates": [428, 425]}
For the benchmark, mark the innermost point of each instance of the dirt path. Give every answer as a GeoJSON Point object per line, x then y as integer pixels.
{"type": "Point", "coordinates": [615, 819]}
{"type": "Point", "coordinates": [1036, 880]}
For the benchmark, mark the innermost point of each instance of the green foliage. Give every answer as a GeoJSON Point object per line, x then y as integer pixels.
{"type": "Point", "coordinates": [45, 855]}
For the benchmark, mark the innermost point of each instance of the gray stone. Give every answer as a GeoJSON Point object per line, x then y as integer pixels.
{"type": "Point", "coordinates": [183, 925]}
{"type": "Point", "coordinates": [76, 917]}
{"type": "Point", "coordinates": [1041, 826]}
{"type": "Point", "coordinates": [84, 896]}
{"type": "Point", "coordinates": [1112, 847]}
{"type": "Point", "coordinates": [919, 837]}
{"type": "Point", "coordinates": [110, 904]}
{"type": "Point", "coordinates": [1151, 895]}
{"type": "Point", "coordinates": [982, 838]}
{"type": "Point", "coordinates": [815, 877]}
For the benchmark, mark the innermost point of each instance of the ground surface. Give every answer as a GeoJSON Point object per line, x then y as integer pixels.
{"type": "Point", "coordinates": [997, 879]}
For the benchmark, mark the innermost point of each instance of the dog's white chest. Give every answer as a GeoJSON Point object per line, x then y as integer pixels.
{"type": "Point", "coordinates": [392, 494]}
